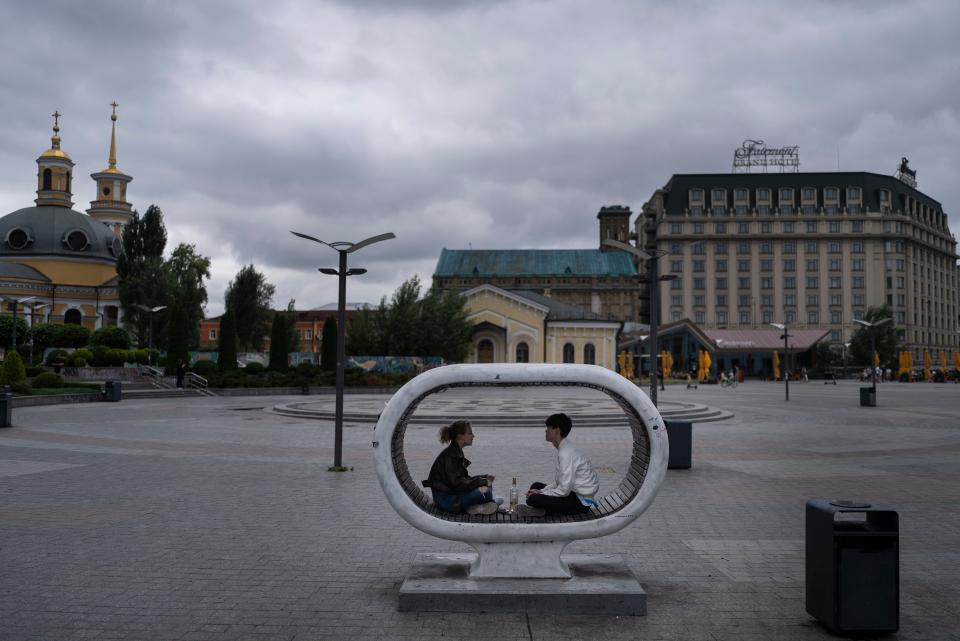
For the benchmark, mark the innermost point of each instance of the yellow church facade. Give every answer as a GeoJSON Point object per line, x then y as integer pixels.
{"type": "Point", "coordinates": [511, 326]}
{"type": "Point", "coordinates": [59, 265]}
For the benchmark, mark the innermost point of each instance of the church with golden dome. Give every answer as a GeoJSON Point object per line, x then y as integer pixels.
{"type": "Point", "coordinates": [58, 265]}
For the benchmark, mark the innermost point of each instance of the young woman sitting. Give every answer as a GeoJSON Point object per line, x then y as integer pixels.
{"type": "Point", "coordinates": [454, 490]}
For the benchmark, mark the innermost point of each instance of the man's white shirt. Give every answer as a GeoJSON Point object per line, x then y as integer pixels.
{"type": "Point", "coordinates": [574, 474]}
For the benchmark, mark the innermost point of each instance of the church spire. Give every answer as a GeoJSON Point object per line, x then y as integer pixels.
{"type": "Point", "coordinates": [54, 172]}
{"type": "Point", "coordinates": [111, 206]}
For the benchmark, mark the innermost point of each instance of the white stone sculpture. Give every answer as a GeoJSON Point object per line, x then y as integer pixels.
{"type": "Point", "coordinates": [529, 548]}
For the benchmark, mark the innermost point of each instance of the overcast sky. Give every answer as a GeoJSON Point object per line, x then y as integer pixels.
{"type": "Point", "coordinates": [494, 124]}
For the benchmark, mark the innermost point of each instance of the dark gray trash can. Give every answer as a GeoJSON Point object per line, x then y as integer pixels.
{"type": "Point", "coordinates": [680, 436]}
{"type": "Point", "coordinates": [853, 566]}
{"type": "Point", "coordinates": [868, 398]}
{"type": "Point", "coordinates": [111, 391]}
{"type": "Point", "coordinates": [6, 407]}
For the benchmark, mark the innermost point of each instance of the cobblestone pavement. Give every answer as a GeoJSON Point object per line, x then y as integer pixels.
{"type": "Point", "coordinates": [214, 519]}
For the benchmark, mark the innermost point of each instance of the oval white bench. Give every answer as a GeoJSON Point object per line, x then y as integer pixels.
{"type": "Point", "coordinates": [509, 546]}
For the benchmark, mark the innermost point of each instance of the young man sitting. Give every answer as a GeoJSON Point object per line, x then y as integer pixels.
{"type": "Point", "coordinates": [576, 483]}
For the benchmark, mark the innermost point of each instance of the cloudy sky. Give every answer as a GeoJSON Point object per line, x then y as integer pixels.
{"type": "Point", "coordinates": [487, 124]}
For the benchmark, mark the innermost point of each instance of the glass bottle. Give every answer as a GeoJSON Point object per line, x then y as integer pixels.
{"type": "Point", "coordinates": [514, 496]}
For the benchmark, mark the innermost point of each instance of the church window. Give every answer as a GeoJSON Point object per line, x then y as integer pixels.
{"type": "Point", "coordinates": [47, 180]}
{"type": "Point", "coordinates": [568, 353]}
{"type": "Point", "coordinates": [106, 191]}
{"type": "Point", "coordinates": [72, 317]}
{"type": "Point", "coordinates": [523, 353]}
{"type": "Point", "coordinates": [18, 238]}
{"type": "Point", "coordinates": [76, 240]}
{"type": "Point", "coordinates": [589, 354]}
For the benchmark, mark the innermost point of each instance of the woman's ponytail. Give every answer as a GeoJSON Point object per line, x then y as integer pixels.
{"type": "Point", "coordinates": [448, 433]}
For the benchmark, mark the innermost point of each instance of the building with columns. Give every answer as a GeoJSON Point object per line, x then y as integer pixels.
{"type": "Point", "coordinates": [59, 265]}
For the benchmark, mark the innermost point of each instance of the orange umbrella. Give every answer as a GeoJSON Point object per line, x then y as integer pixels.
{"type": "Point", "coordinates": [876, 359]}
{"type": "Point", "coordinates": [926, 365]}
{"type": "Point", "coordinates": [776, 366]}
{"type": "Point", "coordinates": [943, 361]}
{"type": "Point", "coordinates": [707, 362]}
{"type": "Point", "coordinates": [956, 360]}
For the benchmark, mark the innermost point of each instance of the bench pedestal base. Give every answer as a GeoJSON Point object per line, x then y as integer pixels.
{"type": "Point", "coordinates": [599, 584]}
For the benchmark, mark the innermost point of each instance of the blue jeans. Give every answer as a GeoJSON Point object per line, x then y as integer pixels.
{"type": "Point", "coordinates": [460, 502]}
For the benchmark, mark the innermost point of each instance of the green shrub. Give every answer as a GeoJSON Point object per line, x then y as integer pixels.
{"type": "Point", "coordinates": [113, 336]}
{"type": "Point", "coordinates": [306, 369]}
{"type": "Point", "coordinates": [34, 371]}
{"type": "Point", "coordinates": [117, 357]}
{"type": "Point", "coordinates": [254, 368]}
{"type": "Point", "coordinates": [99, 356]}
{"type": "Point", "coordinates": [48, 380]}
{"type": "Point", "coordinates": [21, 388]}
{"type": "Point", "coordinates": [56, 356]}
{"type": "Point", "coordinates": [160, 361]}
{"type": "Point", "coordinates": [13, 371]}
{"type": "Point", "coordinates": [141, 357]}
{"type": "Point", "coordinates": [78, 354]}
{"type": "Point", "coordinates": [204, 368]}
{"type": "Point", "coordinates": [79, 361]}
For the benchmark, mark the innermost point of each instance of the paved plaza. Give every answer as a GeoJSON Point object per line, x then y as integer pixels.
{"type": "Point", "coordinates": [216, 518]}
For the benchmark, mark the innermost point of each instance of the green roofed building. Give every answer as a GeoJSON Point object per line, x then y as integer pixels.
{"type": "Point", "coordinates": [598, 282]}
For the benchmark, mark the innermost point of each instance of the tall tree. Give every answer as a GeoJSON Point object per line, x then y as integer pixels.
{"type": "Point", "coordinates": [443, 326]}
{"type": "Point", "coordinates": [227, 344]}
{"type": "Point", "coordinates": [141, 273]}
{"type": "Point", "coordinates": [886, 338]}
{"type": "Point", "coordinates": [280, 331]}
{"type": "Point", "coordinates": [328, 346]}
{"type": "Point", "coordinates": [179, 331]}
{"type": "Point", "coordinates": [249, 296]}
{"type": "Point", "coordinates": [186, 270]}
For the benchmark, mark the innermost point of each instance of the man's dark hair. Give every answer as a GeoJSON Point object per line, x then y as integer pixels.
{"type": "Point", "coordinates": [562, 421]}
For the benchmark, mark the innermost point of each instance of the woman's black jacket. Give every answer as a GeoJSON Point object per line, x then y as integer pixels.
{"type": "Point", "coordinates": [449, 473]}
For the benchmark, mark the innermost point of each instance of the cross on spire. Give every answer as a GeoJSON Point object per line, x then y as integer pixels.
{"type": "Point", "coordinates": [114, 105]}
{"type": "Point", "coordinates": [56, 120]}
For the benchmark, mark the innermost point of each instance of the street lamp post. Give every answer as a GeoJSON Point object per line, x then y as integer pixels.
{"type": "Point", "coordinates": [786, 354]}
{"type": "Point", "coordinates": [873, 346]}
{"type": "Point", "coordinates": [343, 248]}
{"type": "Point", "coordinates": [33, 310]}
{"type": "Point", "coordinates": [654, 280]}
{"type": "Point", "coordinates": [151, 311]}
{"type": "Point", "coordinates": [15, 305]}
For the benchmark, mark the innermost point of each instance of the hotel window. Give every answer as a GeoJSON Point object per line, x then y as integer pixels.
{"type": "Point", "coordinates": [834, 316]}
{"type": "Point", "coordinates": [675, 248]}
{"type": "Point", "coordinates": [787, 228]}
{"type": "Point", "coordinates": [811, 228]}
{"type": "Point", "coordinates": [853, 194]}
{"type": "Point", "coordinates": [676, 283]}
{"type": "Point", "coordinates": [813, 265]}
{"type": "Point", "coordinates": [721, 317]}
{"type": "Point", "coordinates": [856, 247]}
{"type": "Point", "coordinates": [743, 248]}
{"type": "Point", "coordinates": [901, 264]}
{"type": "Point", "coordinates": [813, 300]}
{"type": "Point", "coordinates": [676, 266]}
{"type": "Point", "coordinates": [721, 282]}
{"type": "Point", "coordinates": [901, 318]}
{"type": "Point", "coordinates": [741, 195]}
{"type": "Point", "coordinates": [813, 316]}
{"type": "Point", "coordinates": [697, 228]}
{"type": "Point", "coordinates": [718, 200]}
{"type": "Point", "coordinates": [744, 300]}
{"type": "Point", "coordinates": [741, 210]}
{"type": "Point", "coordinates": [720, 248]}
{"type": "Point", "coordinates": [763, 195]}
{"type": "Point", "coordinates": [766, 299]}
{"type": "Point", "coordinates": [834, 282]}
{"type": "Point", "coordinates": [790, 316]}
{"type": "Point", "coordinates": [676, 299]}
{"type": "Point", "coordinates": [789, 282]}
{"type": "Point", "coordinates": [830, 210]}
{"type": "Point", "coordinates": [834, 227]}
{"type": "Point", "coordinates": [744, 282]}
{"type": "Point", "coordinates": [699, 317]}
{"type": "Point", "coordinates": [696, 211]}
{"type": "Point", "coordinates": [884, 201]}
{"type": "Point", "coordinates": [743, 265]}
{"type": "Point", "coordinates": [853, 209]}
{"type": "Point", "coordinates": [699, 249]}
{"type": "Point", "coordinates": [813, 282]}
{"type": "Point", "coordinates": [699, 265]}
{"type": "Point", "coordinates": [786, 210]}
{"type": "Point", "coordinates": [698, 283]}
{"type": "Point", "coordinates": [721, 300]}
{"type": "Point", "coordinates": [834, 247]}
{"type": "Point", "coordinates": [763, 210]}
{"type": "Point", "coordinates": [696, 195]}
{"type": "Point", "coordinates": [786, 197]}
{"type": "Point", "coordinates": [721, 265]}
{"type": "Point", "coordinates": [811, 247]}
{"type": "Point", "coordinates": [835, 299]}
{"type": "Point", "coordinates": [831, 193]}
{"type": "Point", "coordinates": [743, 228]}
{"type": "Point", "coordinates": [835, 264]}
{"type": "Point", "coordinates": [675, 316]}
{"type": "Point", "coordinates": [901, 300]}
{"type": "Point", "coordinates": [858, 282]}
{"type": "Point", "coordinates": [744, 316]}
{"type": "Point", "coordinates": [858, 299]}
{"type": "Point", "coordinates": [766, 228]}
{"type": "Point", "coordinates": [720, 228]}
{"type": "Point", "coordinates": [766, 283]}
{"type": "Point", "coordinates": [676, 228]}
{"type": "Point", "coordinates": [900, 282]}
{"type": "Point", "coordinates": [887, 227]}
{"type": "Point", "coordinates": [808, 209]}
{"type": "Point", "coordinates": [766, 265]}
{"type": "Point", "coordinates": [789, 265]}
{"type": "Point", "coordinates": [809, 195]}
{"type": "Point", "coordinates": [767, 317]}
{"type": "Point", "coordinates": [766, 247]}
{"type": "Point", "coordinates": [789, 247]}
{"type": "Point", "coordinates": [789, 299]}
{"type": "Point", "coordinates": [699, 299]}
{"type": "Point", "coordinates": [858, 314]}
{"type": "Point", "coordinates": [856, 226]}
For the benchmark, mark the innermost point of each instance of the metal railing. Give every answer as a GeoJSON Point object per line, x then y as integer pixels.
{"type": "Point", "coordinates": [193, 380]}
{"type": "Point", "coordinates": [154, 376]}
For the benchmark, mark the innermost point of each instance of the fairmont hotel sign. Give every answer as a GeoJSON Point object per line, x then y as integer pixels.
{"type": "Point", "coordinates": [755, 153]}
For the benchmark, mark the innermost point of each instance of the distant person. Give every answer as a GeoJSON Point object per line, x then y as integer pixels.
{"type": "Point", "coordinates": [181, 372]}
{"type": "Point", "coordinates": [454, 490]}
{"type": "Point", "coordinates": [804, 378]}
{"type": "Point", "coordinates": [575, 484]}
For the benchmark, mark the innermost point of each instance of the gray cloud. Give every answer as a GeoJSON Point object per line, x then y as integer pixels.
{"type": "Point", "coordinates": [456, 124]}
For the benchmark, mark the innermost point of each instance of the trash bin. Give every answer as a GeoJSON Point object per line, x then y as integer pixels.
{"type": "Point", "coordinates": [6, 407]}
{"type": "Point", "coordinates": [111, 391]}
{"type": "Point", "coordinates": [680, 437]}
{"type": "Point", "coordinates": [868, 398]}
{"type": "Point", "coordinates": [852, 566]}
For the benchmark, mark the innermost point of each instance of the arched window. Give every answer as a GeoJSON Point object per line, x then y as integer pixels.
{"type": "Point", "coordinates": [523, 353]}
{"type": "Point", "coordinates": [589, 354]}
{"type": "Point", "coordinates": [47, 179]}
{"type": "Point", "coordinates": [485, 351]}
{"type": "Point", "coordinates": [72, 317]}
{"type": "Point", "coordinates": [568, 353]}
